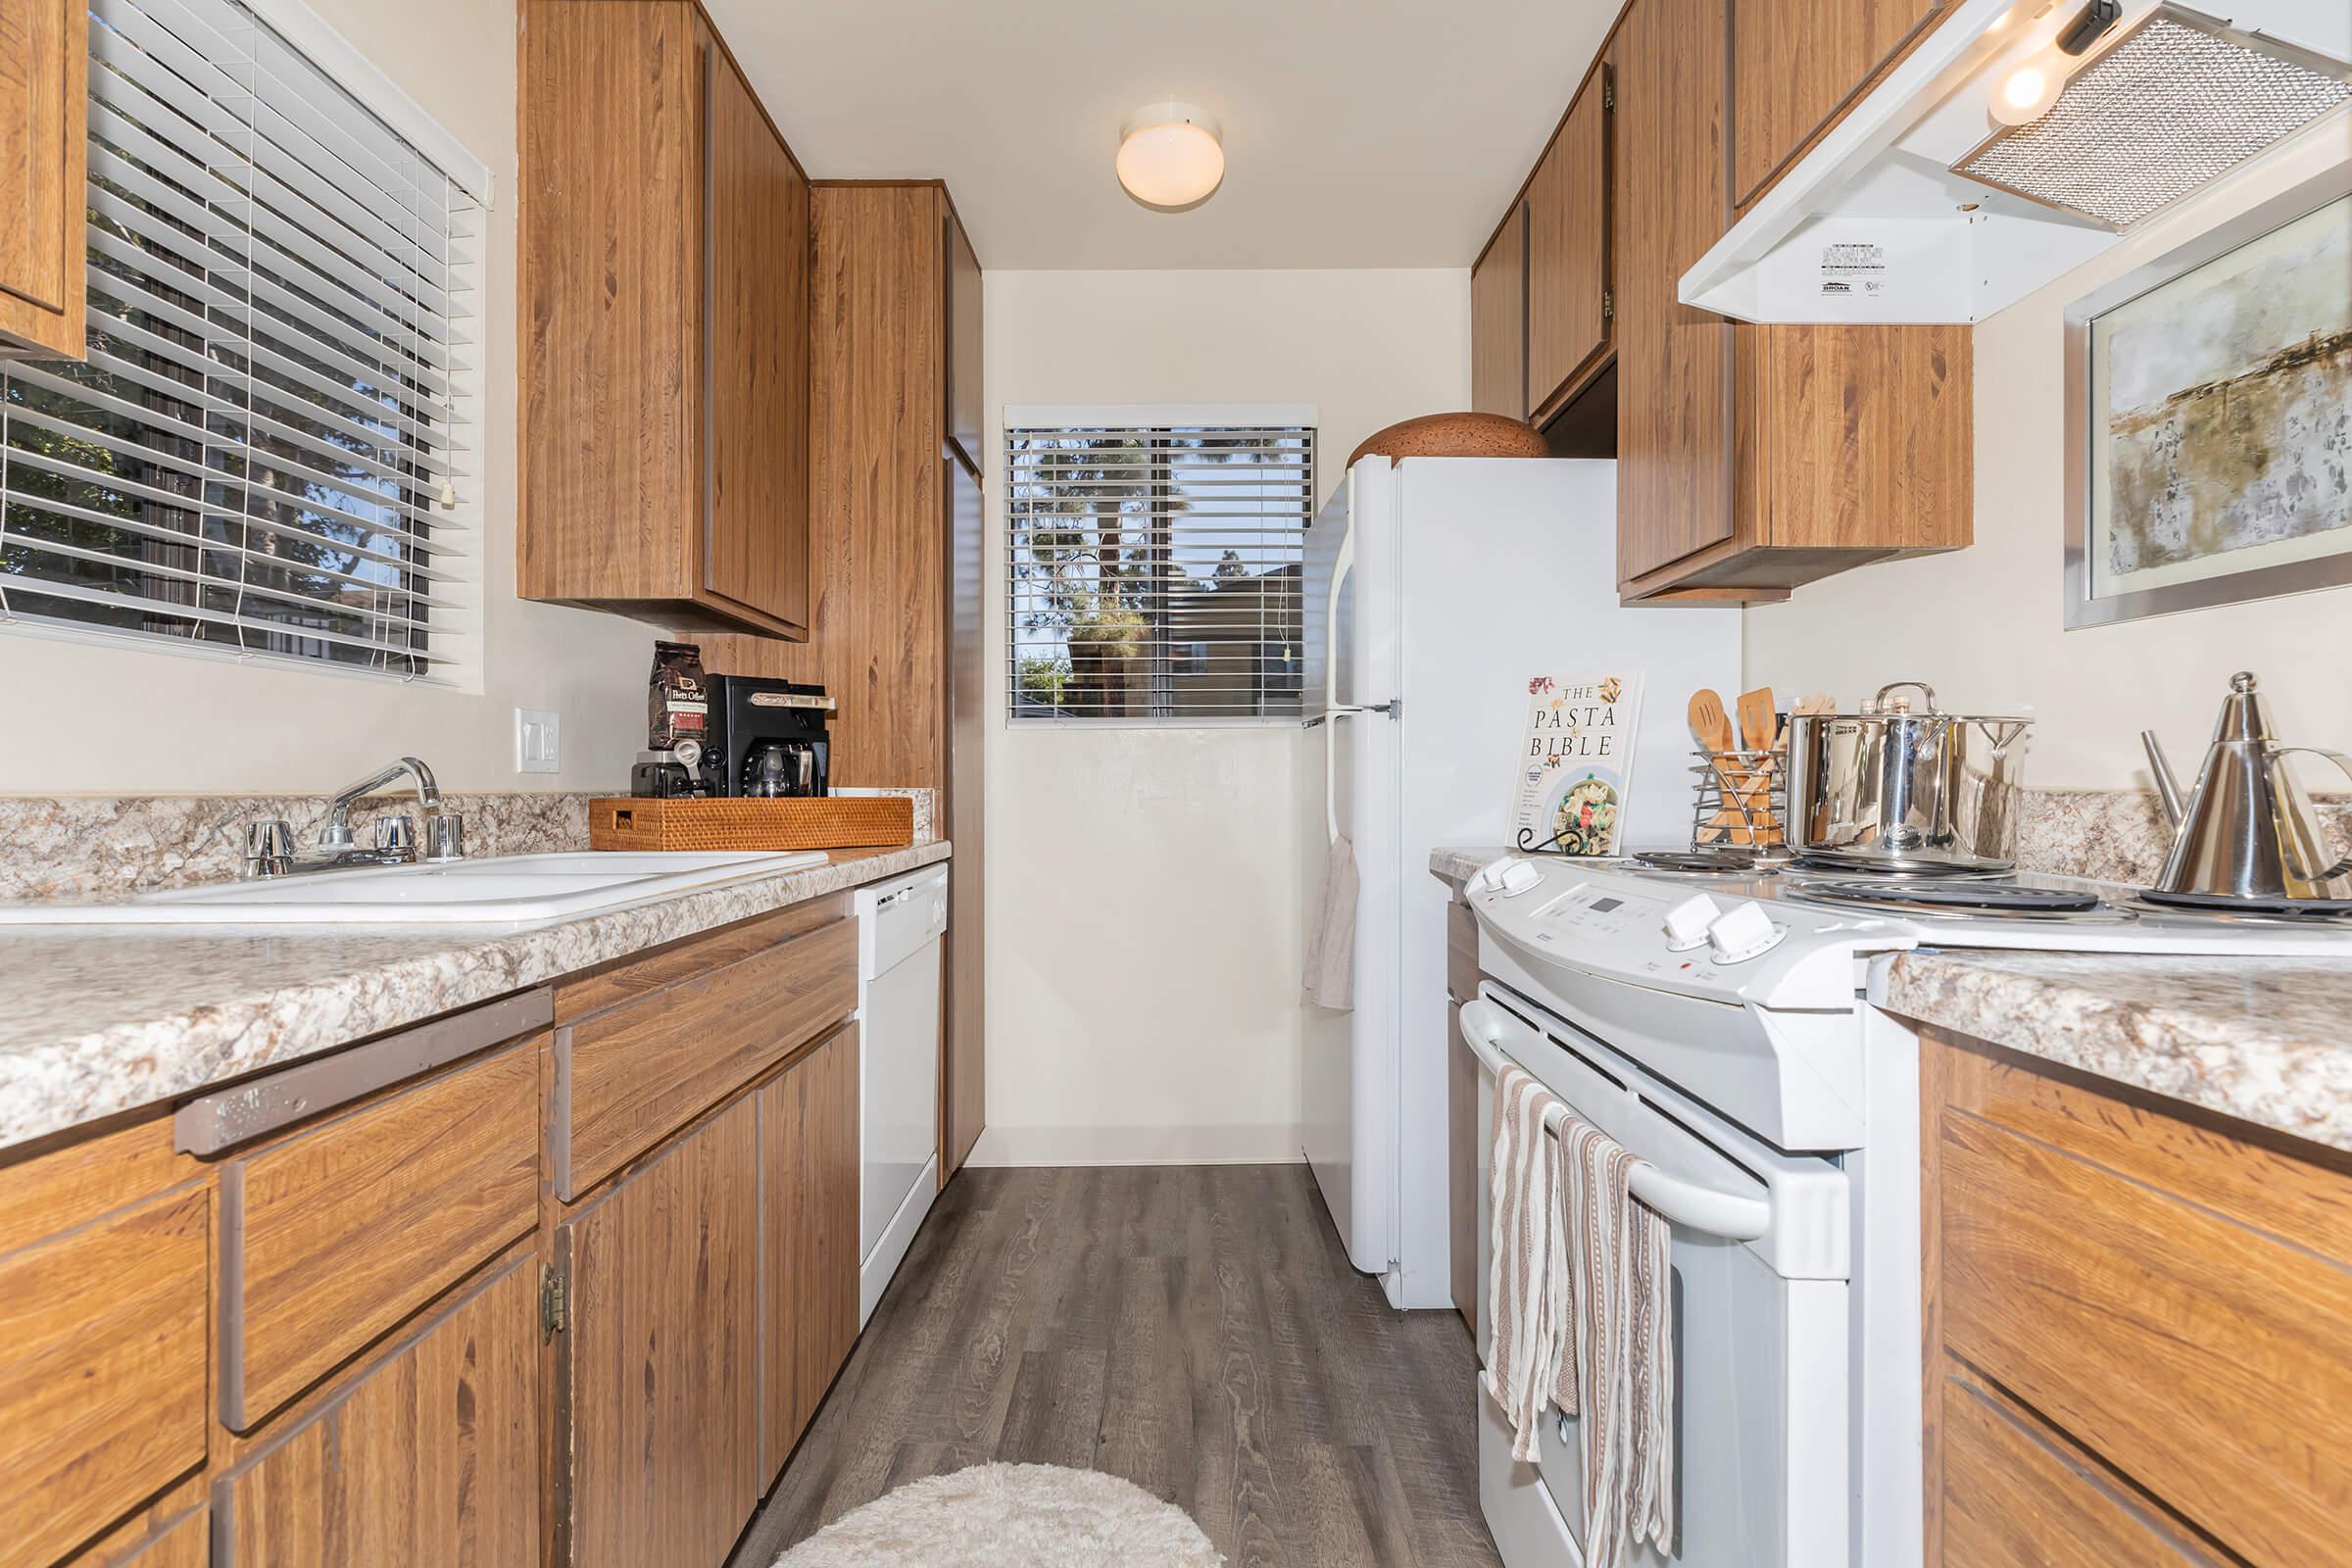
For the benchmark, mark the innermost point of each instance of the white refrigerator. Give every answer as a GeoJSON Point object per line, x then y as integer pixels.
{"type": "Point", "coordinates": [1434, 589]}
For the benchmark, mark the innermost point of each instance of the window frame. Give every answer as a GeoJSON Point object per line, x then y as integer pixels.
{"type": "Point", "coordinates": [449, 535]}
{"type": "Point", "coordinates": [1026, 419]}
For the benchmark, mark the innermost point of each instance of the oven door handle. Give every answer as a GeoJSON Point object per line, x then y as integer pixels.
{"type": "Point", "coordinates": [1690, 1205]}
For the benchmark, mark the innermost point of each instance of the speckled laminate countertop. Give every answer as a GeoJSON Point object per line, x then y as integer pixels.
{"type": "Point", "coordinates": [96, 1020]}
{"type": "Point", "coordinates": [2268, 1041]}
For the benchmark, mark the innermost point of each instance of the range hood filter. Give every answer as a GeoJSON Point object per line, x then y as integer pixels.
{"type": "Point", "coordinates": [2171, 105]}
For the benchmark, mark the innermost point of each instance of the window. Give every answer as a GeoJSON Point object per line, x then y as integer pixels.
{"type": "Point", "coordinates": [262, 454]}
{"type": "Point", "coordinates": [1153, 570]}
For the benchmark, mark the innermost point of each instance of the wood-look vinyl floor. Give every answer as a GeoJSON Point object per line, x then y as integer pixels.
{"type": "Point", "coordinates": [1195, 1329]}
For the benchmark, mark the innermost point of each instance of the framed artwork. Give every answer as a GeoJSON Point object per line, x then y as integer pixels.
{"type": "Point", "coordinates": [2209, 416]}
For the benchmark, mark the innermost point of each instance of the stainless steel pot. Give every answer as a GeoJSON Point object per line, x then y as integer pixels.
{"type": "Point", "coordinates": [1892, 790]}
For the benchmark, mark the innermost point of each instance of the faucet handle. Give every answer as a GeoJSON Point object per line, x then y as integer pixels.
{"type": "Point", "coordinates": [445, 836]}
{"type": "Point", "coordinates": [395, 833]}
{"type": "Point", "coordinates": [269, 847]}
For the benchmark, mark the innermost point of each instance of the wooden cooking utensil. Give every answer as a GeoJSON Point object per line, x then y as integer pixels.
{"type": "Point", "coordinates": [1759, 728]}
{"type": "Point", "coordinates": [1712, 727]}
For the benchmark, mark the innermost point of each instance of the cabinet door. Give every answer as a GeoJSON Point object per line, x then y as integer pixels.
{"type": "Point", "coordinates": [1498, 322]}
{"type": "Point", "coordinates": [431, 1455]}
{"type": "Point", "coordinates": [659, 1371]}
{"type": "Point", "coordinates": [1795, 63]}
{"type": "Point", "coordinates": [102, 1369]}
{"type": "Point", "coordinates": [1568, 247]}
{"type": "Point", "coordinates": [44, 100]}
{"type": "Point", "coordinates": [964, 1096]}
{"type": "Point", "coordinates": [966, 418]}
{"type": "Point", "coordinates": [1461, 1159]}
{"type": "Point", "coordinates": [1673, 415]}
{"type": "Point", "coordinates": [808, 1162]}
{"type": "Point", "coordinates": [756, 332]}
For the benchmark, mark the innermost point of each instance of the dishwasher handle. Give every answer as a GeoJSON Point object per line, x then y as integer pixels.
{"type": "Point", "coordinates": [1690, 1205]}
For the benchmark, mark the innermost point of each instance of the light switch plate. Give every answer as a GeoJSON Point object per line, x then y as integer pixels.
{"type": "Point", "coordinates": [538, 734]}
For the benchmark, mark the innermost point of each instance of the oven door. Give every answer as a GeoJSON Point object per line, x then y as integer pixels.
{"type": "Point", "coordinates": [1759, 1273]}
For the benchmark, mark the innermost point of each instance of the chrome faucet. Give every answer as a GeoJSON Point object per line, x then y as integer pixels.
{"type": "Point", "coordinates": [269, 844]}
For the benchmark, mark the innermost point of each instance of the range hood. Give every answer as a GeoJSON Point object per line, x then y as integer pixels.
{"type": "Point", "coordinates": [1878, 224]}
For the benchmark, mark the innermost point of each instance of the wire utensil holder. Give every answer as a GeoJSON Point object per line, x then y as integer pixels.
{"type": "Point", "coordinates": [1742, 799]}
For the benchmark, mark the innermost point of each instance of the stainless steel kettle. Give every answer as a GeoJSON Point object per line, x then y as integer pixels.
{"type": "Point", "coordinates": [2249, 831]}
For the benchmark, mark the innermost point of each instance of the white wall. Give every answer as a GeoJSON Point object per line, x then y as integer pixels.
{"type": "Point", "coordinates": [1143, 897]}
{"type": "Point", "coordinates": [86, 718]}
{"type": "Point", "coordinates": [1985, 625]}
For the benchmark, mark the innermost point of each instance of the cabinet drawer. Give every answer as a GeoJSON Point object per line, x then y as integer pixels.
{"type": "Point", "coordinates": [102, 1378]}
{"type": "Point", "coordinates": [2014, 1492]}
{"type": "Point", "coordinates": [2208, 1362]}
{"type": "Point", "coordinates": [429, 1455]}
{"type": "Point", "coordinates": [332, 1236]}
{"type": "Point", "coordinates": [629, 1076]}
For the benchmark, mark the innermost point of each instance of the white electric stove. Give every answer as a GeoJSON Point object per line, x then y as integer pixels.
{"type": "Point", "coordinates": [1716, 1023]}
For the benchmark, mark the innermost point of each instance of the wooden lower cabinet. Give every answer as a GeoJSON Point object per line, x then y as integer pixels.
{"type": "Point", "coordinates": [657, 1368]}
{"type": "Point", "coordinates": [431, 1454]}
{"type": "Point", "coordinates": [102, 1370]}
{"type": "Point", "coordinates": [379, 1334]}
{"type": "Point", "coordinates": [2138, 1326]}
{"type": "Point", "coordinates": [808, 1157]}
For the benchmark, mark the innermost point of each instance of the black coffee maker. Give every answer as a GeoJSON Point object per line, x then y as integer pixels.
{"type": "Point", "coordinates": [766, 738]}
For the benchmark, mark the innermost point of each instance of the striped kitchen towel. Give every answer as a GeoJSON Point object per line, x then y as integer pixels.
{"type": "Point", "coordinates": [1527, 1280]}
{"type": "Point", "coordinates": [1616, 1369]}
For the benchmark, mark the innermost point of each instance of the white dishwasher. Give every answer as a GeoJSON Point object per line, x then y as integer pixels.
{"type": "Point", "coordinates": [899, 923]}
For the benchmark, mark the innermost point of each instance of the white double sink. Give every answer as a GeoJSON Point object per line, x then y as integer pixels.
{"type": "Point", "coordinates": [503, 889]}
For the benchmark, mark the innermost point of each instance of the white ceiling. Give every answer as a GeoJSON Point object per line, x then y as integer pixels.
{"type": "Point", "coordinates": [1357, 132]}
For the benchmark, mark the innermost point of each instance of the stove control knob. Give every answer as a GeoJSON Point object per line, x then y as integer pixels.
{"type": "Point", "coordinates": [1744, 932]}
{"type": "Point", "coordinates": [1518, 877]}
{"type": "Point", "coordinates": [1688, 921]}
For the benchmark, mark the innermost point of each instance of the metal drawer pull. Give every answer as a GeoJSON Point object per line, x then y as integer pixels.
{"type": "Point", "coordinates": [211, 1123]}
{"type": "Point", "coordinates": [1734, 1216]}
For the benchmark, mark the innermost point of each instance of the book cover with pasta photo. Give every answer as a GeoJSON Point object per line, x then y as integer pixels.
{"type": "Point", "coordinates": [1576, 759]}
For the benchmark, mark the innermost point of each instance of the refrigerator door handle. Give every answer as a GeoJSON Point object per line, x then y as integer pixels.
{"type": "Point", "coordinates": [1330, 755]}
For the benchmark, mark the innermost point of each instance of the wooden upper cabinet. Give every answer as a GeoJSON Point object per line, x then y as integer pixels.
{"type": "Point", "coordinates": [968, 419]}
{"type": "Point", "coordinates": [665, 301]}
{"type": "Point", "coordinates": [756, 394]}
{"type": "Point", "coordinates": [1674, 426]}
{"type": "Point", "coordinates": [44, 102]}
{"type": "Point", "coordinates": [1498, 321]}
{"type": "Point", "coordinates": [1568, 295]}
{"type": "Point", "coordinates": [1797, 65]}
{"type": "Point", "coordinates": [658, 1371]}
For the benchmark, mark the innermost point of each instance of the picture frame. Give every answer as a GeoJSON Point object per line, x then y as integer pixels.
{"type": "Point", "coordinates": [2159, 565]}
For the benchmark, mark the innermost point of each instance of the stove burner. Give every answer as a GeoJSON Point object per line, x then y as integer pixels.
{"type": "Point", "coordinates": [1992, 897]}
{"type": "Point", "coordinates": [1905, 874]}
{"type": "Point", "coordinates": [2273, 909]}
{"type": "Point", "coordinates": [1717, 862]}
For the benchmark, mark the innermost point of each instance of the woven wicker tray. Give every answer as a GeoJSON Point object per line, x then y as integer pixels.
{"type": "Point", "coordinates": [828, 822]}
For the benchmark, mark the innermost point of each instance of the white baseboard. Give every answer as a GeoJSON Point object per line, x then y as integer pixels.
{"type": "Point", "coordinates": [1137, 1146]}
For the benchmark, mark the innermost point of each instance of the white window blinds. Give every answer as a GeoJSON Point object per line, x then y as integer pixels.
{"type": "Point", "coordinates": [1154, 571]}
{"type": "Point", "coordinates": [262, 452]}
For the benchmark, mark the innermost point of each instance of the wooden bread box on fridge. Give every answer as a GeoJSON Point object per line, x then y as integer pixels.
{"type": "Point", "coordinates": [1750, 459]}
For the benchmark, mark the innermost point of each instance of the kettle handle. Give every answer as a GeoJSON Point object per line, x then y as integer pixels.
{"type": "Point", "coordinates": [2344, 765]}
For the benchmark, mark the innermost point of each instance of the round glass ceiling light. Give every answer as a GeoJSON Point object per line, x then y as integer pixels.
{"type": "Point", "coordinates": [1170, 157]}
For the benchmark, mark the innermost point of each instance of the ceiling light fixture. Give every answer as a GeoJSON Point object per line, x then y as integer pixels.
{"type": "Point", "coordinates": [2024, 92]}
{"type": "Point", "coordinates": [1171, 156]}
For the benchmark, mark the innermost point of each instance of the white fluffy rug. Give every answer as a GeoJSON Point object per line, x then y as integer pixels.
{"type": "Point", "coordinates": [993, 1515]}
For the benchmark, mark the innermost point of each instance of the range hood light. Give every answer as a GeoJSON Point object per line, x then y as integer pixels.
{"type": "Point", "coordinates": [2025, 92]}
